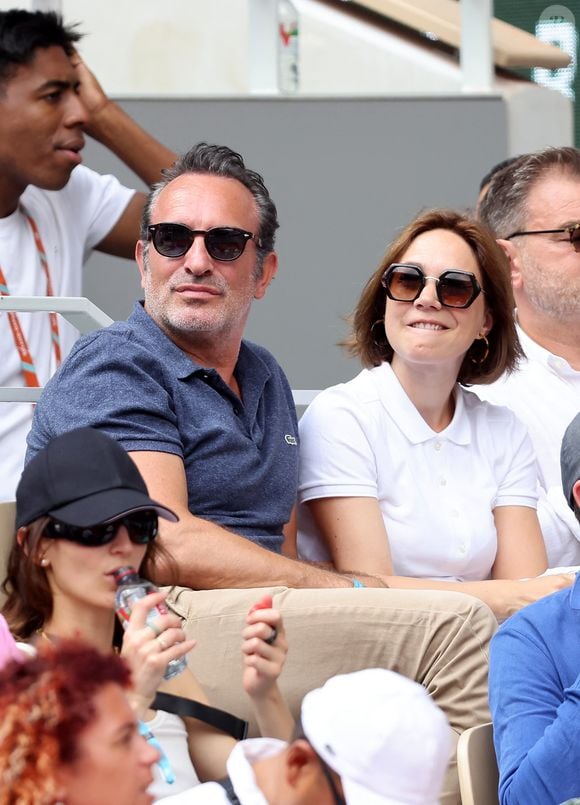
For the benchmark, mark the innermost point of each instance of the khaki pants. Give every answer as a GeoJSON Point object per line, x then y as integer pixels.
{"type": "Point", "coordinates": [439, 639]}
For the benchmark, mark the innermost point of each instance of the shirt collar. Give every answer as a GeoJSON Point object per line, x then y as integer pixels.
{"type": "Point", "coordinates": [398, 405]}
{"type": "Point", "coordinates": [575, 593]}
{"type": "Point", "coordinates": [533, 351]}
{"type": "Point", "coordinates": [240, 771]}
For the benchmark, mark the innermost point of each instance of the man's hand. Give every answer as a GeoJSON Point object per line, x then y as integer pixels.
{"type": "Point", "coordinates": [90, 91]}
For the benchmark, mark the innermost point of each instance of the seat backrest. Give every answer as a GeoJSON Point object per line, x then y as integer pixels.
{"type": "Point", "coordinates": [477, 767]}
{"type": "Point", "coordinates": [7, 518]}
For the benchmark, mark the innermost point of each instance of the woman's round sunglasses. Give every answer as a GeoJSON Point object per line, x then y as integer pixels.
{"type": "Point", "coordinates": [141, 526]}
{"type": "Point", "coordinates": [404, 282]}
{"type": "Point", "coordinates": [223, 243]}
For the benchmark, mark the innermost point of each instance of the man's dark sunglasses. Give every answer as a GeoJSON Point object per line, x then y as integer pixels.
{"type": "Point", "coordinates": [223, 243]}
{"type": "Point", "coordinates": [404, 282]}
{"type": "Point", "coordinates": [573, 233]}
{"type": "Point", "coordinates": [141, 526]}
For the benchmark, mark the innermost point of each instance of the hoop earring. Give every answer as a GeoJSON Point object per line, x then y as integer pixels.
{"type": "Point", "coordinates": [379, 344]}
{"type": "Point", "coordinates": [481, 359]}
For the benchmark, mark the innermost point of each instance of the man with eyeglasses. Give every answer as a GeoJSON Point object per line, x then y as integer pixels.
{"type": "Point", "coordinates": [366, 738]}
{"type": "Point", "coordinates": [53, 210]}
{"type": "Point", "coordinates": [209, 419]}
{"type": "Point", "coordinates": [533, 207]}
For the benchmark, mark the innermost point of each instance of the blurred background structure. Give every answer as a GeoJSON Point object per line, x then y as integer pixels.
{"type": "Point", "coordinates": [401, 105]}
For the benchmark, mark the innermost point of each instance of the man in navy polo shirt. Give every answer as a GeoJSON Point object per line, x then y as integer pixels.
{"type": "Point", "coordinates": [209, 419]}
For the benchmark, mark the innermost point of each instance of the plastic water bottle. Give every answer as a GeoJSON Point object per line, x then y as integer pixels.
{"type": "Point", "coordinates": [288, 50]}
{"type": "Point", "coordinates": [130, 588]}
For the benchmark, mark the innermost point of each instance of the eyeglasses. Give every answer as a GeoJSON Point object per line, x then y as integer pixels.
{"type": "Point", "coordinates": [224, 243]}
{"type": "Point", "coordinates": [404, 282]}
{"type": "Point", "coordinates": [573, 233]}
{"type": "Point", "coordinates": [141, 526]}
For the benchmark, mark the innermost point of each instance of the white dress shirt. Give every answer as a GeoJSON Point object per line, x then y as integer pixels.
{"type": "Point", "coordinates": [545, 394]}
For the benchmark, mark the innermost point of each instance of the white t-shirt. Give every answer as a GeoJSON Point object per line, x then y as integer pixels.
{"type": "Point", "coordinates": [171, 733]}
{"type": "Point", "coordinates": [71, 222]}
{"type": "Point", "coordinates": [436, 491]}
{"type": "Point", "coordinates": [242, 757]}
{"type": "Point", "coordinates": [545, 394]}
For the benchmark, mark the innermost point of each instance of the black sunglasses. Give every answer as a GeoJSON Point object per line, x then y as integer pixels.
{"type": "Point", "coordinates": [404, 282]}
{"type": "Point", "coordinates": [573, 233]}
{"type": "Point", "coordinates": [141, 526]}
{"type": "Point", "coordinates": [223, 243]}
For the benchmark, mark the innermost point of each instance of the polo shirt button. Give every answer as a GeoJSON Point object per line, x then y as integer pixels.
{"type": "Point", "coordinates": [454, 513]}
{"type": "Point", "coordinates": [437, 446]}
{"type": "Point", "coordinates": [443, 481]}
{"type": "Point", "coordinates": [462, 548]}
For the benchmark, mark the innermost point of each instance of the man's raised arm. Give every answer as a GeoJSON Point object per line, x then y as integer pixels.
{"type": "Point", "coordinates": [139, 150]}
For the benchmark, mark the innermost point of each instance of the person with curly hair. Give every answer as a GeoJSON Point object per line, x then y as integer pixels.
{"type": "Point", "coordinates": [68, 732]}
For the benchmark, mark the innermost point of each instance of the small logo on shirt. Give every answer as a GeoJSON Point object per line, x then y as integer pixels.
{"type": "Point", "coordinates": [289, 439]}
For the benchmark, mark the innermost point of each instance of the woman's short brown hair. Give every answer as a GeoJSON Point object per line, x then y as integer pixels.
{"type": "Point", "coordinates": [368, 340]}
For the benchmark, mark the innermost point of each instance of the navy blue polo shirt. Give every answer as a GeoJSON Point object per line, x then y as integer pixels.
{"type": "Point", "coordinates": [134, 383]}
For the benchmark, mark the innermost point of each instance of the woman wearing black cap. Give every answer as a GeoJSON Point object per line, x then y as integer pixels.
{"type": "Point", "coordinates": [82, 512]}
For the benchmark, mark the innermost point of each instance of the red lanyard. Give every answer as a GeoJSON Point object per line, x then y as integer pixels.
{"type": "Point", "coordinates": [26, 360]}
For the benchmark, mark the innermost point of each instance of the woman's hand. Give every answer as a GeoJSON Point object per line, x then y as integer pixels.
{"type": "Point", "coordinates": [264, 648]}
{"type": "Point", "coordinates": [508, 596]}
{"type": "Point", "coordinates": [149, 649]}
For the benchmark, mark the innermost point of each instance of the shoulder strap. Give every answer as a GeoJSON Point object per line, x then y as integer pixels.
{"type": "Point", "coordinates": [226, 722]}
{"type": "Point", "coordinates": [228, 787]}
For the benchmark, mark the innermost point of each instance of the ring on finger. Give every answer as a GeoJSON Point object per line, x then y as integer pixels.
{"type": "Point", "coordinates": [154, 628]}
{"type": "Point", "coordinates": [273, 636]}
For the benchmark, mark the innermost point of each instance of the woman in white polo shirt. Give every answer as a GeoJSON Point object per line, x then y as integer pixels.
{"type": "Point", "coordinates": [406, 474]}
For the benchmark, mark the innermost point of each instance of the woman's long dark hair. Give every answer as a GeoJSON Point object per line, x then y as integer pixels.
{"type": "Point", "coordinates": [28, 604]}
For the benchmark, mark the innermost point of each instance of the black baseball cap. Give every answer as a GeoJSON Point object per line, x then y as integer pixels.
{"type": "Point", "coordinates": [82, 478]}
{"type": "Point", "coordinates": [570, 459]}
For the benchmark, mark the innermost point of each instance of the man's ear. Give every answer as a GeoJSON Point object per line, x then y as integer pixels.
{"type": "Point", "coordinates": [139, 259]}
{"type": "Point", "coordinates": [269, 270]}
{"type": "Point", "coordinates": [512, 253]}
{"type": "Point", "coordinates": [301, 763]}
{"type": "Point", "coordinates": [576, 492]}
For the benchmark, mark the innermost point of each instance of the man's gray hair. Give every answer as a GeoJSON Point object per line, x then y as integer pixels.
{"type": "Point", "coordinates": [219, 160]}
{"type": "Point", "coordinates": [504, 208]}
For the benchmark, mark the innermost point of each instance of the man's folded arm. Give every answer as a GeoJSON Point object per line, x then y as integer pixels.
{"type": "Point", "coordinates": [209, 556]}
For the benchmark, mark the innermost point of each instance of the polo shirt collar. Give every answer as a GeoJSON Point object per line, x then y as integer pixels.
{"type": "Point", "coordinates": [253, 371]}
{"type": "Point", "coordinates": [149, 333]}
{"type": "Point", "coordinates": [398, 405]}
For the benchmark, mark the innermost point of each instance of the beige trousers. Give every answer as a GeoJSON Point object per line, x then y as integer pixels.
{"type": "Point", "coordinates": [439, 639]}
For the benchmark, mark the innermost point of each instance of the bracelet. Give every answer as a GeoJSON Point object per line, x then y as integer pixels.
{"type": "Point", "coordinates": [357, 583]}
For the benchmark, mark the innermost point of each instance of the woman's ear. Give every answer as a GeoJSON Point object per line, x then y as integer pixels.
{"type": "Point", "coordinates": [21, 535]}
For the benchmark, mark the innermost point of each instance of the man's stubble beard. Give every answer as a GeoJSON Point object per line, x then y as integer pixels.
{"type": "Point", "coordinates": [547, 293]}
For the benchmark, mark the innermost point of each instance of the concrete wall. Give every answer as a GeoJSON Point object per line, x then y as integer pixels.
{"type": "Point", "coordinates": [345, 174]}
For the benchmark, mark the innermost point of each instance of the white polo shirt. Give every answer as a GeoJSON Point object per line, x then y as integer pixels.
{"type": "Point", "coordinates": [545, 394]}
{"type": "Point", "coordinates": [436, 491]}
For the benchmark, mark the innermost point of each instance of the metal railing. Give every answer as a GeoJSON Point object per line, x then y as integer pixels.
{"type": "Point", "coordinates": [78, 310]}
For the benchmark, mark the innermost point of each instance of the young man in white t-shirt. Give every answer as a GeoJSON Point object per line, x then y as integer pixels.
{"type": "Point", "coordinates": [53, 211]}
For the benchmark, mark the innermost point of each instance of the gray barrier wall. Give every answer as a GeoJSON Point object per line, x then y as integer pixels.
{"type": "Point", "coordinates": [345, 175]}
